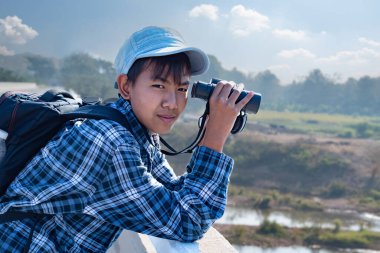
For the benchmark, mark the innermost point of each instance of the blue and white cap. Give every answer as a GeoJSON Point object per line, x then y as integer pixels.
{"type": "Point", "coordinates": [153, 41]}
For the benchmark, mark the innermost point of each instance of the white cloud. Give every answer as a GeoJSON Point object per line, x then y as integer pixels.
{"type": "Point", "coordinates": [352, 63]}
{"type": "Point", "coordinates": [296, 53]}
{"type": "Point", "coordinates": [290, 34]}
{"type": "Point", "coordinates": [369, 42]}
{"type": "Point", "coordinates": [206, 10]}
{"type": "Point", "coordinates": [12, 28]}
{"type": "Point", "coordinates": [357, 57]}
{"type": "Point", "coordinates": [244, 21]}
{"type": "Point", "coordinates": [5, 51]}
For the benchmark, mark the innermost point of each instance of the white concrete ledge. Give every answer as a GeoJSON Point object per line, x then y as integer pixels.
{"type": "Point", "coordinates": [212, 242]}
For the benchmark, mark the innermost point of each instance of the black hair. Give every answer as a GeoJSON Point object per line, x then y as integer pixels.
{"type": "Point", "coordinates": [175, 65]}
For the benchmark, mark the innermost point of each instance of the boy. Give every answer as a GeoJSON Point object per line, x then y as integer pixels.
{"type": "Point", "coordinates": [95, 177]}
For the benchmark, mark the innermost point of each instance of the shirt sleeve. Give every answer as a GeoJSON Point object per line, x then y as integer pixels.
{"type": "Point", "coordinates": [131, 198]}
{"type": "Point", "coordinates": [164, 174]}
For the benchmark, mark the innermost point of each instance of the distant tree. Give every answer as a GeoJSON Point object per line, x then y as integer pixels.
{"type": "Point", "coordinates": [43, 69]}
{"type": "Point", "coordinates": [269, 86]}
{"type": "Point", "coordinates": [214, 71]}
{"type": "Point", "coordinates": [368, 95]}
{"type": "Point", "coordinates": [10, 76]}
{"type": "Point", "coordinates": [237, 76]}
{"type": "Point", "coordinates": [352, 98]}
{"type": "Point", "coordinates": [88, 76]}
{"type": "Point", "coordinates": [95, 77]}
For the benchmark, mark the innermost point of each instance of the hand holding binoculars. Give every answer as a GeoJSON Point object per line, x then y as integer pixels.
{"type": "Point", "coordinates": [204, 90]}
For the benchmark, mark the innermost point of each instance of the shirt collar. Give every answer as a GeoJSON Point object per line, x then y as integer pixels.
{"type": "Point", "coordinates": [140, 132]}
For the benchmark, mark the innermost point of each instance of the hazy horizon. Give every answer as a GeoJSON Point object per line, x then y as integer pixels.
{"type": "Point", "coordinates": [340, 38]}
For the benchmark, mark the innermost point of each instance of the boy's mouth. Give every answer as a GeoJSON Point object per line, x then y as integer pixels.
{"type": "Point", "coordinates": [167, 118]}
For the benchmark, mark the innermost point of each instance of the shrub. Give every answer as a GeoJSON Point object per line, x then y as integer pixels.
{"type": "Point", "coordinates": [312, 235]}
{"type": "Point", "coordinates": [336, 190]}
{"type": "Point", "coordinates": [270, 228]}
{"type": "Point", "coordinates": [344, 240]}
{"type": "Point", "coordinates": [337, 225]}
{"type": "Point", "coordinates": [264, 203]}
{"type": "Point", "coordinates": [374, 194]}
{"type": "Point", "coordinates": [240, 231]}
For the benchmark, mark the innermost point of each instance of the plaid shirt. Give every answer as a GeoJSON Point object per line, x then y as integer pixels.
{"type": "Point", "coordinates": [97, 178]}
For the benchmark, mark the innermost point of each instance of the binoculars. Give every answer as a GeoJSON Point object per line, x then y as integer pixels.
{"type": "Point", "coordinates": [204, 90]}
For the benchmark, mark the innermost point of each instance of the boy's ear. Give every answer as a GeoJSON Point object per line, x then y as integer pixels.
{"type": "Point", "coordinates": [123, 85]}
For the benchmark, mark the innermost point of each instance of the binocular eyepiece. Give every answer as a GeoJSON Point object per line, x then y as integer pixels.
{"type": "Point", "coordinates": [204, 90]}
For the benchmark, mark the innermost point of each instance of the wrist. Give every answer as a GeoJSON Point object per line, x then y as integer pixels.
{"type": "Point", "coordinates": [213, 142]}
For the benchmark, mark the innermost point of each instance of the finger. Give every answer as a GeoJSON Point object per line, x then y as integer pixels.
{"type": "Point", "coordinates": [236, 92]}
{"type": "Point", "coordinates": [245, 100]}
{"type": "Point", "coordinates": [234, 96]}
{"type": "Point", "coordinates": [226, 90]}
{"type": "Point", "coordinates": [232, 83]}
{"type": "Point", "coordinates": [217, 89]}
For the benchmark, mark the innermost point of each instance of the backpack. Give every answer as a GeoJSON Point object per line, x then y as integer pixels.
{"type": "Point", "coordinates": [32, 120]}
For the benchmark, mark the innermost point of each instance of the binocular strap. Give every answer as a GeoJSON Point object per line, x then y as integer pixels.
{"type": "Point", "coordinates": [195, 143]}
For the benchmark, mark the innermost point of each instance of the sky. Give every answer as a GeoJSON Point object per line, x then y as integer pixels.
{"type": "Point", "coordinates": [290, 38]}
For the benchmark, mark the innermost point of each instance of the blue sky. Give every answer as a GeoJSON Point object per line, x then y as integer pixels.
{"type": "Point", "coordinates": [290, 38]}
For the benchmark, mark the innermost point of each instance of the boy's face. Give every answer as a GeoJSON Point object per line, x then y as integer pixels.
{"type": "Point", "coordinates": [157, 103]}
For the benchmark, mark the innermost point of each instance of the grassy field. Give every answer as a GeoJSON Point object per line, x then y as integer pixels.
{"type": "Point", "coordinates": [330, 124]}
{"type": "Point", "coordinates": [304, 154]}
{"type": "Point", "coordinates": [271, 234]}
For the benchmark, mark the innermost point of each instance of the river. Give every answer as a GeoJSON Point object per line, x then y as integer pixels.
{"type": "Point", "coordinates": [297, 249]}
{"type": "Point", "coordinates": [350, 220]}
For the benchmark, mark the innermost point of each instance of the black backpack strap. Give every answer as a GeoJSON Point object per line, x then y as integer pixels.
{"type": "Point", "coordinates": [97, 112]}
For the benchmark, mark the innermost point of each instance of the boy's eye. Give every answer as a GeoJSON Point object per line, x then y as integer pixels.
{"type": "Point", "coordinates": [160, 86]}
{"type": "Point", "coordinates": [183, 89]}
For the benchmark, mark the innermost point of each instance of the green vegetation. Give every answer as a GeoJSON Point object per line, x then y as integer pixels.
{"type": "Point", "coordinates": [88, 76]}
{"type": "Point", "coordinates": [303, 166]}
{"type": "Point", "coordinates": [298, 167]}
{"type": "Point", "coordinates": [368, 202]}
{"type": "Point", "coordinates": [375, 195]}
{"type": "Point", "coordinates": [10, 76]}
{"type": "Point", "coordinates": [270, 234]}
{"type": "Point", "coordinates": [348, 239]}
{"type": "Point", "coordinates": [335, 190]}
{"type": "Point", "coordinates": [344, 126]}
{"type": "Point", "coordinates": [270, 228]}
{"type": "Point", "coordinates": [262, 199]}
{"type": "Point", "coordinates": [288, 171]}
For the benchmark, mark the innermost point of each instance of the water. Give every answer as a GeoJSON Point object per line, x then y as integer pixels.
{"type": "Point", "coordinates": [297, 249]}
{"type": "Point", "coordinates": [350, 220]}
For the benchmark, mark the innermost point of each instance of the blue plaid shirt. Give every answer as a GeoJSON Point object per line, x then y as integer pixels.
{"type": "Point", "coordinates": [97, 178]}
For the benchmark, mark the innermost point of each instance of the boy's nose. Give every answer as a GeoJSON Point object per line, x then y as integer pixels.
{"type": "Point", "coordinates": [170, 101]}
